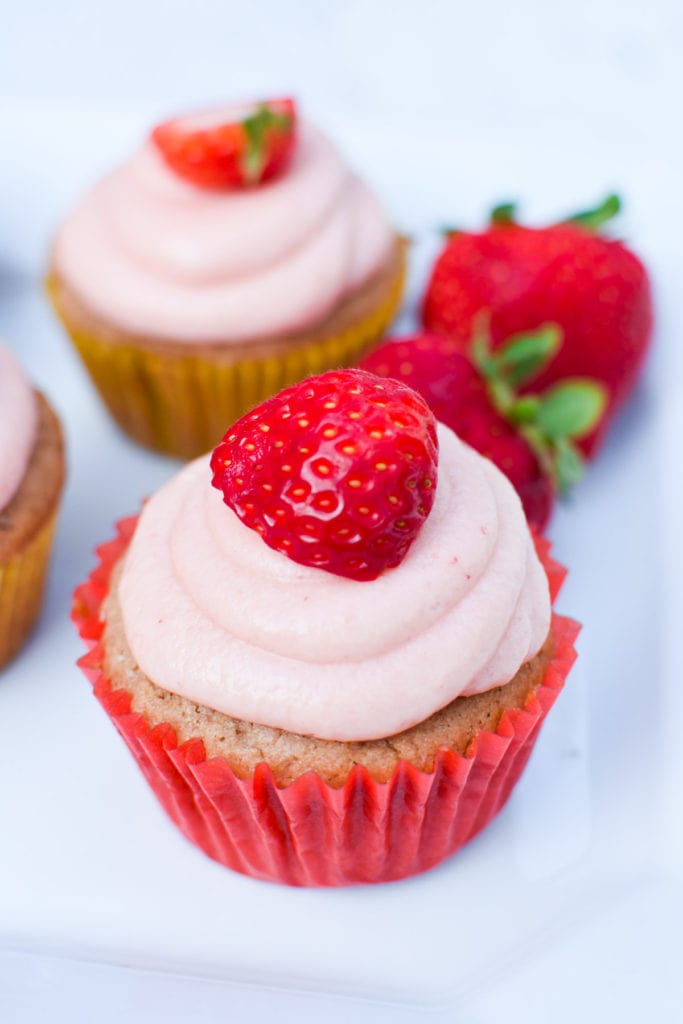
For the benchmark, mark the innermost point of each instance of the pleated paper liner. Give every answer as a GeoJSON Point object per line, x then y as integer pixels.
{"type": "Point", "coordinates": [309, 833]}
{"type": "Point", "coordinates": [182, 404]}
{"type": "Point", "coordinates": [22, 583]}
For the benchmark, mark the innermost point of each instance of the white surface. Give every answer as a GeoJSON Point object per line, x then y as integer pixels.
{"type": "Point", "coordinates": [571, 899]}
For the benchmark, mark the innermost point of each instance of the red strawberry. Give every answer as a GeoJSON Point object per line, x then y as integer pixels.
{"type": "Point", "coordinates": [530, 438]}
{"type": "Point", "coordinates": [594, 288]}
{"type": "Point", "coordinates": [337, 472]}
{"type": "Point", "coordinates": [230, 149]}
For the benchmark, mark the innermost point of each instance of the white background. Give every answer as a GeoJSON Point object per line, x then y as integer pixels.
{"type": "Point", "coordinates": [606, 69]}
{"type": "Point", "coordinates": [447, 107]}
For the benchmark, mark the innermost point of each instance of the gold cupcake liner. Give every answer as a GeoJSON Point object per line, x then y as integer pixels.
{"type": "Point", "coordinates": [182, 404]}
{"type": "Point", "coordinates": [22, 582]}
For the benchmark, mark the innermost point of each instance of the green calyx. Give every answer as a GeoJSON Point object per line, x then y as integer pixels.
{"type": "Point", "coordinates": [521, 357]}
{"type": "Point", "coordinates": [256, 128]}
{"type": "Point", "coordinates": [505, 214]}
{"type": "Point", "coordinates": [551, 421]}
{"type": "Point", "coordinates": [570, 409]}
{"type": "Point", "coordinates": [593, 219]}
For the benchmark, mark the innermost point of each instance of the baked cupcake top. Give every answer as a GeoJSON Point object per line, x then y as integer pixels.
{"type": "Point", "coordinates": [213, 613]}
{"type": "Point", "coordinates": [158, 255]}
{"type": "Point", "coordinates": [18, 423]}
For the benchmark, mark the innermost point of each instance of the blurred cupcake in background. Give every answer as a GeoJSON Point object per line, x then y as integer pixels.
{"type": "Point", "coordinates": [31, 481]}
{"type": "Point", "coordinates": [234, 253]}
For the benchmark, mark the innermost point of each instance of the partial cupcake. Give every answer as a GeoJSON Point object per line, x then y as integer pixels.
{"type": "Point", "coordinates": [234, 253]}
{"type": "Point", "coordinates": [332, 665]}
{"type": "Point", "coordinates": [31, 481]}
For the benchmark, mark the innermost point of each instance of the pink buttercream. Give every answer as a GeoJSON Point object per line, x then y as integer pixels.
{"type": "Point", "coordinates": [158, 256]}
{"type": "Point", "coordinates": [214, 614]}
{"type": "Point", "coordinates": [18, 423]}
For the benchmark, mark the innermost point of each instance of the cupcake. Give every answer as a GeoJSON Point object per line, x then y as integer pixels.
{"type": "Point", "coordinates": [233, 254]}
{"type": "Point", "coordinates": [31, 480]}
{"type": "Point", "coordinates": [331, 666]}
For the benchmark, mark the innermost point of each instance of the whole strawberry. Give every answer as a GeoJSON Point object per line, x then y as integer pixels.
{"type": "Point", "coordinates": [234, 148]}
{"type": "Point", "coordinates": [530, 438]}
{"type": "Point", "coordinates": [594, 288]}
{"type": "Point", "coordinates": [337, 472]}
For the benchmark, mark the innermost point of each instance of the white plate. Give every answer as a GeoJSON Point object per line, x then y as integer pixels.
{"type": "Point", "coordinates": [572, 894]}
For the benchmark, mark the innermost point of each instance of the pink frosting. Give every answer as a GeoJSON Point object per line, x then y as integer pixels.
{"type": "Point", "coordinates": [158, 256]}
{"type": "Point", "coordinates": [214, 614]}
{"type": "Point", "coordinates": [18, 423]}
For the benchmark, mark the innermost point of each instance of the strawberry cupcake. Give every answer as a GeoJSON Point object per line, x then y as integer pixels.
{"type": "Point", "coordinates": [331, 666]}
{"type": "Point", "coordinates": [31, 480]}
{"type": "Point", "coordinates": [232, 254]}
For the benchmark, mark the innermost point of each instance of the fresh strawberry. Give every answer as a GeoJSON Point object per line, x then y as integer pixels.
{"type": "Point", "coordinates": [594, 288]}
{"type": "Point", "coordinates": [336, 472]}
{"type": "Point", "coordinates": [529, 438]}
{"type": "Point", "coordinates": [237, 148]}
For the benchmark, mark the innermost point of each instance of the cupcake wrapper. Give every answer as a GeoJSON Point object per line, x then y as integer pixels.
{"type": "Point", "coordinates": [22, 582]}
{"type": "Point", "coordinates": [182, 405]}
{"type": "Point", "coordinates": [310, 833]}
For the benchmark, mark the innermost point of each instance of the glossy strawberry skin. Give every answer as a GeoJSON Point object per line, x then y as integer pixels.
{"type": "Point", "coordinates": [337, 472]}
{"type": "Point", "coordinates": [595, 289]}
{"type": "Point", "coordinates": [456, 393]}
{"type": "Point", "coordinates": [219, 156]}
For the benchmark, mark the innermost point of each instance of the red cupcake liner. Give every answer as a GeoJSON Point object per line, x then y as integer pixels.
{"type": "Point", "coordinates": [310, 833]}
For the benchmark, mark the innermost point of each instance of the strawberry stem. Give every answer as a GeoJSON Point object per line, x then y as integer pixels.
{"type": "Point", "coordinates": [593, 219]}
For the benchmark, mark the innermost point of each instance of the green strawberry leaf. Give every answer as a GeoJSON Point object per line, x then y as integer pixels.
{"type": "Point", "coordinates": [571, 408]}
{"type": "Point", "coordinates": [568, 465]}
{"type": "Point", "coordinates": [504, 213]}
{"type": "Point", "coordinates": [548, 422]}
{"type": "Point", "coordinates": [523, 356]}
{"type": "Point", "coordinates": [256, 128]}
{"type": "Point", "coordinates": [560, 460]}
{"type": "Point", "coordinates": [593, 219]}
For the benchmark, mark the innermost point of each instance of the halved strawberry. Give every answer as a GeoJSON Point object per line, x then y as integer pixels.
{"type": "Point", "coordinates": [337, 472]}
{"type": "Point", "coordinates": [235, 148]}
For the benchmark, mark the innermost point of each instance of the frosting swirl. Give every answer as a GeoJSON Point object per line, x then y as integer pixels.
{"type": "Point", "coordinates": [212, 613]}
{"type": "Point", "coordinates": [158, 256]}
{"type": "Point", "coordinates": [18, 424]}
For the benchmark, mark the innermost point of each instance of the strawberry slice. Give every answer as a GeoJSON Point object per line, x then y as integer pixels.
{"type": "Point", "coordinates": [238, 148]}
{"type": "Point", "coordinates": [337, 472]}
